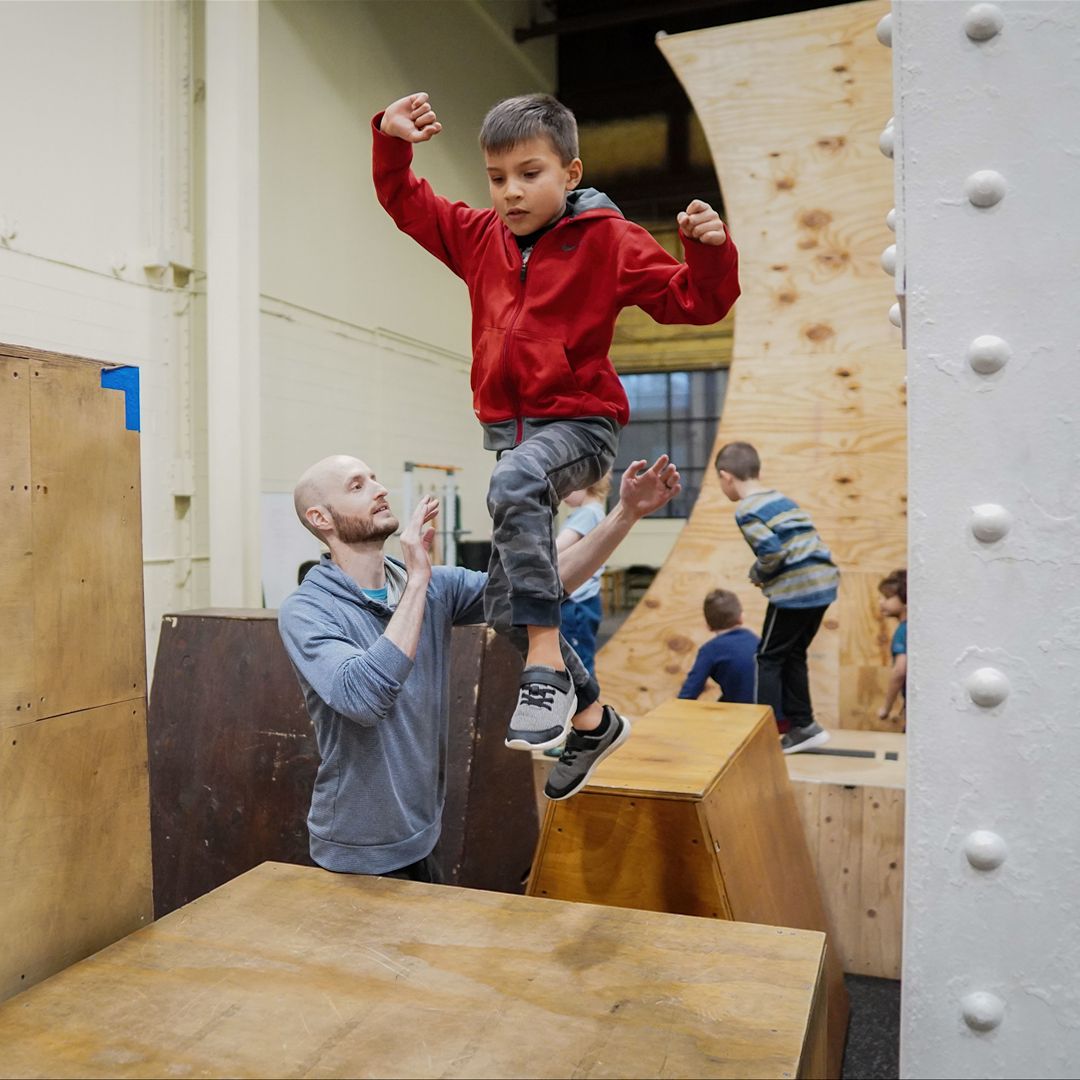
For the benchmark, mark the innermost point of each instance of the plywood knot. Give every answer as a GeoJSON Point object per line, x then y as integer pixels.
{"type": "Point", "coordinates": [672, 669]}
{"type": "Point", "coordinates": [833, 143]}
{"type": "Point", "coordinates": [678, 643]}
{"type": "Point", "coordinates": [815, 219]}
{"type": "Point", "coordinates": [784, 183]}
{"type": "Point", "coordinates": [835, 259]}
{"type": "Point", "coordinates": [819, 332]}
{"type": "Point", "coordinates": [788, 296]}
{"type": "Point", "coordinates": [843, 373]}
{"type": "Point", "coordinates": [650, 602]}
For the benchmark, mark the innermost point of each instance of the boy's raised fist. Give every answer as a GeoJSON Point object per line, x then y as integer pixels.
{"type": "Point", "coordinates": [699, 221]}
{"type": "Point", "coordinates": [410, 118]}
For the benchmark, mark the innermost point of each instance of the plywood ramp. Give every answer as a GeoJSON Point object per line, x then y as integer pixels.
{"type": "Point", "coordinates": [792, 108]}
{"type": "Point", "coordinates": [293, 971]}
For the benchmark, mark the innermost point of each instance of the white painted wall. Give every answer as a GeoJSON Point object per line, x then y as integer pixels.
{"type": "Point", "coordinates": [97, 184]}
{"type": "Point", "coordinates": [105, 143]}
{"type": "Point", "coordinates": [1008, 104]}
{"type": "Point", "coordinates": [365, 337]}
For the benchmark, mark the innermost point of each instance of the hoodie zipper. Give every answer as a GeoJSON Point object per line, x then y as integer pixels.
{"type": "Point", "coordinates": [519, 430]}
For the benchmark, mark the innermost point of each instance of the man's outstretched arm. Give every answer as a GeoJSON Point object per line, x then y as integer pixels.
{"type": "Point", "coordinates": [642, 491]}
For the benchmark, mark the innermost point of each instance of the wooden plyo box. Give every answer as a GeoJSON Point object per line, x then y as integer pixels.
{"type": "Point", "coordinates": [74, 815]}
{"type": "Point", "coordinates": [293, 971]}
{"type": "Point", "coordinates": [851, 798]}
{"type": "Point", "coordinates": [694, 815]}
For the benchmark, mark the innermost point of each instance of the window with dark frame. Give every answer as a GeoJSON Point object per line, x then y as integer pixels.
{"type": "Point", "coordinates": [674, 413]}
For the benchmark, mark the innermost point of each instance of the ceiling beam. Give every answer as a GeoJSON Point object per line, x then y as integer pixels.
{"type": "Point", "coordinates": [599, 20]}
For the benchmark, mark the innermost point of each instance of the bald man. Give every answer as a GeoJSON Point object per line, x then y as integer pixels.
{"type": "Point", "coordinates": [369, 637]}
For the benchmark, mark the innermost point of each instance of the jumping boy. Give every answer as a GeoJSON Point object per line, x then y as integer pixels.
{"type": "Point", "coordinates": [548, 269]}
{"type": "Point", "coordinates": [796, 572]}
{"type": "Point", "coordinates": [729, 656]}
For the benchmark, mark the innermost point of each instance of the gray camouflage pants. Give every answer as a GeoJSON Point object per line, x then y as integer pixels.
{"type": "Point", "coordinates": [529, 481]}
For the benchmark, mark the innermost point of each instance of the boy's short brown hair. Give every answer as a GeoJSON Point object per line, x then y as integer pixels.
{"type": "Point", "coordinates": [722, 609]}
{"type": "Point", "coordinates": [894, 585]}
{"type": "Point", "coordinates": [740, 459]}
{"type": "Point", "coordinates": [514, 120]}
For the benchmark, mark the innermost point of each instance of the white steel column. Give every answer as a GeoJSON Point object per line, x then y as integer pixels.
{"type": "Point", "coordinates": [987, 149]}
{"type": "Point", "coordinates": [232, 244]}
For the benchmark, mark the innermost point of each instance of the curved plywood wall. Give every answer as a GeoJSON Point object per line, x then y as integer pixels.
{"type": "Point", "coordinates": [793, 107]}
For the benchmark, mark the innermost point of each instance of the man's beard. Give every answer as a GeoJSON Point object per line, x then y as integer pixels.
{"type": "Point", "coordinates": [355, 530]}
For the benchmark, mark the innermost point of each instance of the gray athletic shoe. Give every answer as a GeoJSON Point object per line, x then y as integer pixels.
{"type": "Point", "coordinates": [803, 738]}
{"type": "Point", "coordinates": [582, 754]}
{"type": "Point", "coordinates": [546, 703]}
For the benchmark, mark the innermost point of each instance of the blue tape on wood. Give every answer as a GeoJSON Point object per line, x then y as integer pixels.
{"type": "Point", "coordinates": [126, 379]}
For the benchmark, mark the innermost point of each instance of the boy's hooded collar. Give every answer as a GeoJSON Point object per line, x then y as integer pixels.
{"type": "Point", "coordinates": [584, 200]}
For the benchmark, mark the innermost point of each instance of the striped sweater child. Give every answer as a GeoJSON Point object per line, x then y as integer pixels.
{"type": "Point", "coordinates": [792, 566]}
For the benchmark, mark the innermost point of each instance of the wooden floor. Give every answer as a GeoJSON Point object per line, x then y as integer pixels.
{"type": "Point", "coordinates": [293, 971]}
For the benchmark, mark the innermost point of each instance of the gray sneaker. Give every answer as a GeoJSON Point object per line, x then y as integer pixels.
{"type": "Point", "coordinates": [582, 754]}
{"type": "Point", "coordinates": [803, 738]}
{"type": "Point", "coordinates": [546, 703]}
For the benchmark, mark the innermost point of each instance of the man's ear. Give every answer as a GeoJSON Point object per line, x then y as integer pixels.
{"type": "Point", "coordinates": [319, 519]}
{"type": "Point", "coordinates": [574, 173]}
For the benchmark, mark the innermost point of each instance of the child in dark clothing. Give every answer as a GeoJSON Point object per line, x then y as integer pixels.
{"type": "Point", "coordinates": [729, 658]}
{"type": "Point", "coordinates": [795, 571]}
{"type": "Point", "coordinates": [548, 269]}
{"type": "Point", "coordinates": [893, 604]}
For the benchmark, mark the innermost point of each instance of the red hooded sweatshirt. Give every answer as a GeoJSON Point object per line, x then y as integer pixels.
{"type": "Point", "coordinates": [541, 332]}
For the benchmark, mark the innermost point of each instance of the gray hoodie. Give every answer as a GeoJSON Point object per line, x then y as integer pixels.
{"type": "Point", "coordinates": [381, 719]}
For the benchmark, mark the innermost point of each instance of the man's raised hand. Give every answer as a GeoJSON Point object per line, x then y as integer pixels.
{"type": "Point", "coordinates": [418, 538]}
{"type": "Point", "coordinates": [645, 489]}
{"type": "Point", "coordinates": [699, 221]}
{"type": "Point", "coordinates": [410, 118]}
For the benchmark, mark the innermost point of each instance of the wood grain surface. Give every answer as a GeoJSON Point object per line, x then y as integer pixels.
{"type": "Point", "coordinates": [74, 839]}
{"type": "Point", "coordinates": [694, 815]}
{"type": "Point", "coordinates": [792, 108]}
{"type": "Point", "coordinates": [292, 971]}
{"type": "Point", "coordinates": [74, 821]}
{"type": "Point", "coordinates": [852, 809]}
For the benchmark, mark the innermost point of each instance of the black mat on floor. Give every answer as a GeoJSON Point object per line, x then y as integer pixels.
{"type": "Point", "coordinates": [873, 1046]}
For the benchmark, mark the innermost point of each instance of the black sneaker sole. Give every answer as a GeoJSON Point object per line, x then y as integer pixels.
{"type": "Point", "coordinates": [521, 742]}
{"type": "Point", "coordinates": [623, 736]}
{"type": "Point", "coordinates": [820, 739]}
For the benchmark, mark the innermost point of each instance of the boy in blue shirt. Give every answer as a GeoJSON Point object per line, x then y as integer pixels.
{"type": "Point", "coordinates": [796, 572]}
{"type": "Point", "coordinates": [893, 605]}
{"type": "Point", "coordinates": [729, 659]}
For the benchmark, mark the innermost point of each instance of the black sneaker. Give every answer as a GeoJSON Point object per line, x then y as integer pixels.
{"type": "Point", "coordinates": [582, 754]}
{"type": "Point", "coordinates": [803, 738]}
{"type": "Point", "coordinates": [546, 704]}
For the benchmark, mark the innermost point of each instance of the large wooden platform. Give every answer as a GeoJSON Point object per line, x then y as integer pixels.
{"type": "Point", "coordinates": [74, 817]}
{"type": "Point", "coordinates": [695, 815]}
{"type": "Point", "coordinates": [292, 971]}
